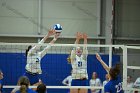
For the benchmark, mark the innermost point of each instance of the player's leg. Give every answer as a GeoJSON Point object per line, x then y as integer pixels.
{"type": "Point", "coordinates": [84, 83]}
{"type": "Point", "coordinates": [74, 82]}
{"type": "Point", "coordinates": [83, 91]}
{"type": "Point", "coordinates": [73, 90]}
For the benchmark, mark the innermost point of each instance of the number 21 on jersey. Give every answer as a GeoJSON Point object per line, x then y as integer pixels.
{"type": "Point", "coordinates": [79, 64]}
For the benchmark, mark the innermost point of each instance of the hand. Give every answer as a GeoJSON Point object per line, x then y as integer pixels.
{"type": "Point", "coordinates": [79, 35]}
{"type": "Point", "coordinates": [85, 36]}
{"type": "Point", "coordinates": [51, 32]}
{"type": "Point", "coordinates": [57, 35]}
{"type": "Point", "coordinates": [98, 57]}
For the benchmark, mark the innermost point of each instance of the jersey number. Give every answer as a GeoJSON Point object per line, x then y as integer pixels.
{"type": "Point", "coordinates": [37, 59]}
{"type": "Point", "coordinates": [79, 64]}
{"type": "Point", "coordinates": [119, 87]}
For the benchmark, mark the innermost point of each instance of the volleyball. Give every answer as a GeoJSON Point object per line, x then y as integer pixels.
{"type": "Point", "coordinates": [57, 27]}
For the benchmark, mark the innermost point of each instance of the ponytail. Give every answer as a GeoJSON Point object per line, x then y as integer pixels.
{"type": "Point", "coordinates": [114, 72]}
{"type": "Point", "coordinates": [69, 58]}
{"type": "Point", "coordinates": [24, 83]}
{"type": "Point", "coordinates": [23, 89]}
{"type": "Point", "coordinates": [27, 50]}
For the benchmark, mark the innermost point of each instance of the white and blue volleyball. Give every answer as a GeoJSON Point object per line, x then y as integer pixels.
{"type": "Point", "coordinates": [57, 27]}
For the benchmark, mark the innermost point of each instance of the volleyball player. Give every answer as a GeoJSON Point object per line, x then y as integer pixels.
{"type": "Point", "coordinates": [34, 56]}
{"type": "Point", "coordinates": [79, 65]}
{"type": "Point", "coordinates": [95, 81]}
{"type": "Point", "coordinates": [1, 82]}
{"type": "Point", "coordinates": [114, 84]}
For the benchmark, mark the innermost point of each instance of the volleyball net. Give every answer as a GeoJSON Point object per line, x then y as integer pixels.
{"type": "Point", "coordinates": [55, 67]}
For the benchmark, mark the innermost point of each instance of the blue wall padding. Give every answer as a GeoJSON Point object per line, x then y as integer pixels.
{"type": "Point", "coordinates": [54, 66]}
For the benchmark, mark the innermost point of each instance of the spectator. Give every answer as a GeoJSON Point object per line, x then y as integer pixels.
{"type": "Point", "coordinates": [137, 84]}
{"type": "Point", "coordinates": [130, 84]}
{"type": "Point", "coordinates": [95, 81]}
{"type": "Point", "coordinates": [106, 81]}
{"type": "Point", "coordinates": [67, 80]}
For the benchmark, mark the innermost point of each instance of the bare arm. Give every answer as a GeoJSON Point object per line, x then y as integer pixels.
{"type": "Point", "coordinates": [102, 62]}
{"type": "Point", "coordinates": [73, 52]}
{"type": "Point", "coordinates": [73, 55]}
{"type": "Point", "coordinates": [33, 50]}
{"type": "Point", "coordinates": [78, 37]}
{"type": "Point", "coordinates": [85, 51]}
{"type": "Point", "coordinates": [44, 51]}
{"type": "Point", "coordinates": [85, 38]}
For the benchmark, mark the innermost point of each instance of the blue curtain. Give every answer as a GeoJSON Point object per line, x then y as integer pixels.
{"type": "Point", "coordinates": [54, 66]}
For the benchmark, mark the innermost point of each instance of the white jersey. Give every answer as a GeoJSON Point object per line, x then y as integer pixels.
{"type": "Point", "coordinates": [129, 85]}
{"type": "Point", "coordinates": [95, 82]}
{"type": "Point", "coordinates": [34, 59]}
{"type": "Point", "coordinates": [79, 66]}
{"type": "Point", "coordinates": [33, 63]}
{"type": "Point", "coordinates": [137, 83]}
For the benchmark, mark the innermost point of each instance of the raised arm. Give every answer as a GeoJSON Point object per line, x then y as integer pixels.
{"type": "Point", "coordinates": [44, 51]}
{"type": "Point", "coordinates": [73, 55]}
{"type": "Point", "coordinates": [73, 52]}
{"type": "Point", "coordinates": [78, 37]}
{"type": "Point", "coordinates": [34, 48]}
{"type": "Point", "coordinates": [105, 66]}
{"type": "Point", "coordinates": [85, 38]}
{"type": "Point", "coordinates": [50, 33]}
{"type": "Point", "coordinates": [85, 51]}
